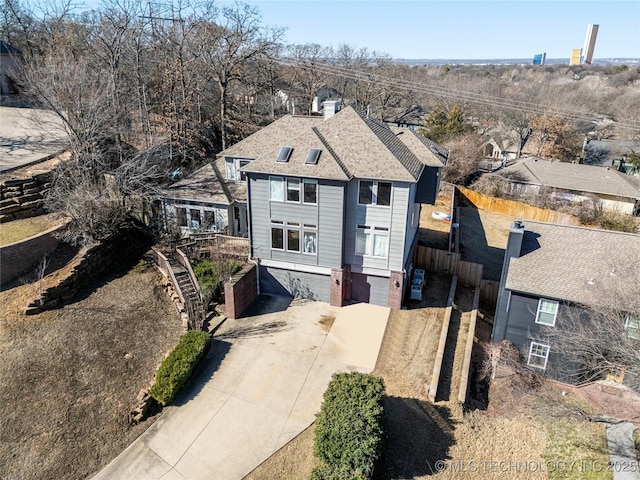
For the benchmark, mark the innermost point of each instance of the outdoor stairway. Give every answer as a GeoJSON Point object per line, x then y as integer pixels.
{"type": "Point", "coordinates": [193, 301]}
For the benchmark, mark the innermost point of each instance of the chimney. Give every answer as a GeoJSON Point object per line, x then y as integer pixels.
{"type": "Point", "coordinates": [331, 107]}
{"type": "Point", "coordinates": [514, 247]}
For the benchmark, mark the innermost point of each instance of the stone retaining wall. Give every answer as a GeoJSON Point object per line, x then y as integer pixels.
{"type": "Point", "coordinates": [16, 258]}
{"type": "Point", "coordinates": [91, 263]}
{"type": "Point", "coordinates": [22, 198]}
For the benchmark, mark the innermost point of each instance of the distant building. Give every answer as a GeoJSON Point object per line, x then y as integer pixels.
{"type": "Point", "coordinates": [539, 59]}
{"type": "Point", "coordinates": [576, 54]}
{"type": "Point", "coordinates": [589, 44]}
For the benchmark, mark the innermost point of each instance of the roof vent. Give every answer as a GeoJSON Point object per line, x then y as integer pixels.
{"type": "Point", "coordinates": [590, 281]}
{"type": "Point", "coordinates": [313, 156]}
{"type": "Point", "coordinates": [284, 154]}
{"type": "Point", "coordinates": [612, 273]}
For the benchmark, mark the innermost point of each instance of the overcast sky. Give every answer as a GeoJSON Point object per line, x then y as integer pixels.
{"type": "Point", "coordinates": [460, 29]}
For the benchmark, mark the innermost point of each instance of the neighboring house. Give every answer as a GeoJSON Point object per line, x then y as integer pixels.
{"type": "Point", "coordinates": [201, 203]}
{"type": "Point", "coordinates": [550, 270]}
{"type": "Point", "coordinates": [10, 59]}
{"type": "Point", "coordinates": [295, 99]}
{"type": "Point", "coordinates": [334, 205]}
{"type": "Point", "coordinates": [575, 182]}
{"type": "Point", "coordinates": [499, 147]}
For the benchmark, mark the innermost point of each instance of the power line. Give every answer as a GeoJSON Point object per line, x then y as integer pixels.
{"type": "Point", "coordinates": [455, 94]}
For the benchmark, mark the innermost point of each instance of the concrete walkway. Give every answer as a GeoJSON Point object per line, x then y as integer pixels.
{"type": "Point", "coordinates": [261, 385]}
{"type": "Point", "coordinates": [623, 460]}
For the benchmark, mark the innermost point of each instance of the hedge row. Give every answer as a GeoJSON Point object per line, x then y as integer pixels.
{"type": "Point", "coordinates": [349, 431]}
{"type": "Point", "coordinates": [176, 369]}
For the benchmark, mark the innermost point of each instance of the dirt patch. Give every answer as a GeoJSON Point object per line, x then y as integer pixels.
{"type": "Point", "coordinates": [434, 232]}
{"type": "Point", "coordinates": [326, 321]}
{"type": "Point", "coordinates": [483, 239]}
{"type": "Point", "coordinates": [27, 227]}
{"type": "Point", "coordinates": [69, 377]}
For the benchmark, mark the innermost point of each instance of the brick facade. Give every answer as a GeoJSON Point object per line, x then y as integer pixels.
{"type": "Point", "coordinates": [396, 289]}
{"type": "Point", "coordinates": [240, 291]}
{"type": "Point", "coordinates": [340, 286]}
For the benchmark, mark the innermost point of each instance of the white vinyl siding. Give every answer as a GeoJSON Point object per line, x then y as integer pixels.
{"type": "Point", "coordinates": [547, 312]}
{"type": "Point", "coordinates": [538, 355]}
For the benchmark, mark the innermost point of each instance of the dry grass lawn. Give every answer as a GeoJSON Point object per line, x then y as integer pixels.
{"type": "Point", "coordinates": [69, 377]}
{"type": "Point", "coordinates": [21, 229]}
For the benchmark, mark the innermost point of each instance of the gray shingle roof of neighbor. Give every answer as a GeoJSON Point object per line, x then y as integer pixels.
{"type": "Point", "coordinates": [574, 176]}
{"type": "Point", "coordinates": [203, 185]}
{"type": "Point", "coordinates": [428, 151]}
{"type": "Point", "coordinates": [571, 263]}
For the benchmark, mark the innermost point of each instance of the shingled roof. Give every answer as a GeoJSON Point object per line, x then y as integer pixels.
{"type": "Point", "coordinates": [352, 145]}
{"type": "Point", "coordinates": [574, 176]}
{"type": "Point", "coordinates": [570, 263]}
{"type": "Point", "coordinates": [428, 151]}
{"type": "Point", "coordinates": [203, 185]}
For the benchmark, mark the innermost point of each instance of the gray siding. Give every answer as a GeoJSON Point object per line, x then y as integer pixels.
{"type": "Point", "coordinates": [522, 329]}
{"type": "Point", "coordinates": [326, 215]}
{"type": "Point", "coordinates": [369, 289]}
{"type": "Point", "coordinates": [276, 281]}
{"type": "Point", "coordinates": [413, 213]}
{"type": "Point", "coordinates": [394, 218]}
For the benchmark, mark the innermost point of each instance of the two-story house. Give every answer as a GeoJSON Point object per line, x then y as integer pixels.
{"type": "Point", "coordinates": [334, 205]}
{"type": "Point", "coordinates": [554, 275]}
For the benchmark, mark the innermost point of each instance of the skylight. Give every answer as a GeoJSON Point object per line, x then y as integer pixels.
{"type": "Point", "coordinates": [284, 154]}
{"type": "Point", "coordinates": [312, 156]}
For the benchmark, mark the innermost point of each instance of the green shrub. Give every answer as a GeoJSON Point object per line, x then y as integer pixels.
{"type": "Point", "coordinates": [176, 369]}
{"type": "Point", "coordinates": [210, 275]}
{"type": "Point", "coordinates": [349, 432]}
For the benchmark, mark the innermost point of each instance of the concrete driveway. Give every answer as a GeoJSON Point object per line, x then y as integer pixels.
{"type": "Point", "coordinates": [261, 385]}
{"type": "Point", "coordinates": [28, 135]}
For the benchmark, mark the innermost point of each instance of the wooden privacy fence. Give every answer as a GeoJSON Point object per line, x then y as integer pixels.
{"type": "Point", "coordinates": [516, 209]}
{"type": "Point", "coordinates": [449, 263]}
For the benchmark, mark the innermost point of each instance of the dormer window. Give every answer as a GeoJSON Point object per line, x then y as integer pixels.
{"type": "Point", "coordinates": [313, 156]}
{"type": "Point", "coordinates": [284, 154]}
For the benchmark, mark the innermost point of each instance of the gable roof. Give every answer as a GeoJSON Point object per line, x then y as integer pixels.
{"type": "Point", "coordinates": [428, 151]}
{"type": "Point", "coordinates": [352, 145]}
{"type": "Point", "coordinates": [202, 185]}
{"type": "Point", "coordinates": [560, 261]}
{"type": "Point", "coordinates": [574, 176]}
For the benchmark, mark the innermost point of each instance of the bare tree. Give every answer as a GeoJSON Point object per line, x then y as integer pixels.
{"type": "Point", "coordinates": [227, 47]}
{"type": "Point", "coordinates": [464, 157]}
{"type": "Point", "coordinates": [603, 338]}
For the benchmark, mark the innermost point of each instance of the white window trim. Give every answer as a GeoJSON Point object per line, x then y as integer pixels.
{"type": "Point", "coordinates": [284, 231]}
{"type": "Point", "coordinates": [315, 232]}
{"type": "Point", "coordinates": [370, 242]}
{"type": "Point", "coordinates": [287, 181]}
{"type": "Point", "coordinates": [238, 162]}
{"type": "Point", "coordinates": [555, 314]}
{"type": "Point", "coordinates": [546, 356]}
{"type": "Point", "coordinates": [284, 188]}
{"type": "Point", "coordinates": [308, 180]}
{"type": "Point", "coordinates": [374, 194]}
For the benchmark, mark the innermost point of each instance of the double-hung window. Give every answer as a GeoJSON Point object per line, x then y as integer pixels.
{"type": "Point", "coordinates": [277, 235]}
{"type": "Point", "coordinates": [374, 193]}
{"type": "Point", "coordinates": [310, 191]}
{"type": "Point", "coordinates": [372, 241]}
{"type": "Point", "coordinates": [293, 237]}
{"type": "Point", "coordinates": [242, 175]}
{"type": "Point", "coordinates": [538, 355]}
{"type": "Point", "coordinates": [309, 239]}
{"type": "Point", "coordinates": [276, 189]}
{"type": "Point", "coordinates": [547, 312]}
{"type": "Point", "coordinates": [293, 190]}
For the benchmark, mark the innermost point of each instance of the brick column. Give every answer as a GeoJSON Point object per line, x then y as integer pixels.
{"type": "Point", "coordinates": [240, 291]}
{"type": "Point", "coordinates": [340, 286]}
{"type": "Point", "coordinates": [396, 290]}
